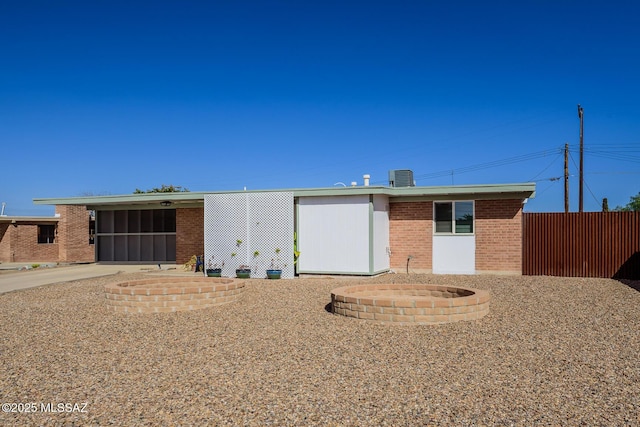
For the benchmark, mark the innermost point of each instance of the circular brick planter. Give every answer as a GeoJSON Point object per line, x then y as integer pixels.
{"type": "Point", "coordinates": [167, 294]}
{"type": "Point", "coordinates": [426, 304]}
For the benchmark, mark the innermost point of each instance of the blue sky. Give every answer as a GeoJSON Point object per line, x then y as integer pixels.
{"type": "Point", "coordinates": [104, 97]}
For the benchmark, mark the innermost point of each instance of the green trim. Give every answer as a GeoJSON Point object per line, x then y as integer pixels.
{"type": "Point", "coordinates": [22, 219]}
{"type": "Point", "coordinates": [196, 199]}
{"type": "Point", "coordinates": [296, 207]}
{"type": "Point", "coordinates": [126, 199]}
{"type": "Point", "coordinates": [140, 206]}
{"type": "Point", "coordinates": [463, 196]}
{"type": "Point", "coordinates": [371, 229]}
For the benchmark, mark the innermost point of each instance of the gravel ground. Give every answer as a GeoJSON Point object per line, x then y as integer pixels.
{"type": "Point", "coordinates": [552, 351]}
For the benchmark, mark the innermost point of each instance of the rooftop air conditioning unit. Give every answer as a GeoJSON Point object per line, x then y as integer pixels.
{"type": "Point", "coordinates": [401, 178]}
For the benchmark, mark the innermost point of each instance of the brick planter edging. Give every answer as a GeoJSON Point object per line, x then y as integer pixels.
{"type": "Point", "coordinates": [410, 304]}
{"type": "Point", "coordinates": [168, 294]}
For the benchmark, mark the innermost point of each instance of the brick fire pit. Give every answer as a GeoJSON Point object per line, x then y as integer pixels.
{"type": "Point", "coordinates": [167, 294]}
{"type": "Point", "coordinates": [426, 304]}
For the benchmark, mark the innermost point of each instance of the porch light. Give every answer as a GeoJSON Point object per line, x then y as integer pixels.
{"type": "Point", "coordinates": [165, 203]}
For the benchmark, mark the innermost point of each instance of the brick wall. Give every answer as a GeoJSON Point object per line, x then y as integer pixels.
{"type": "Point", "coordinates": [73, 234]}
{"type": "Point", "coordinates": [25, 247]}
{"type": "Point", "coordinates": [189, 233]}
{"type": "Point", "coordinates": [19, 242]}
{"type": "Point", "coordinates": [5, 242]}
{"type": "Point", "coordinates": [410, 233]}
{"type": "Point", "coordinates": [499, 236]}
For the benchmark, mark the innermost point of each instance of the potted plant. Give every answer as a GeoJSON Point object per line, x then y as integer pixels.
{"type": "Point", "coordinates": [275, 270]}
{"type": "Point", "coordinates": [214, 270]}
{"type": "Point", "coordinates": [243, 271]}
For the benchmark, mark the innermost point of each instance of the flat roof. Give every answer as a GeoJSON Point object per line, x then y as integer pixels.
{"type": "Point", "coordinates": [196, 198]}
{"type": "Point", "coordinates": [16, 219]}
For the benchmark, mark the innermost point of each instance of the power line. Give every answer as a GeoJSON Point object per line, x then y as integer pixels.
{"type": "Point", "coordinates": [552, 178]}
{"type": "Point", "coordinates": [632, 147]}
{"type": "Point", "coordinates": [585, 182]}
{"type": "Point", "coordinates": [548, 166]}
{"type": "Point", "coordinates": [612, 151]}
{"type": "Point", "coordinates": [552, 183]}
{"type": "Point", "coordinates": [540, 154]}
{"type": "Point", "coordinates": [615, 173]}
{"type": "Point", "coordinates": [633, 159]}
{"type": "Point", "coordinates": [492, 164]}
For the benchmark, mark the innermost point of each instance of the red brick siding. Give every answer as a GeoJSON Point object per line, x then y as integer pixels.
{"type": "Point", "coordinates": [499, 235]}
{"type": "Point", "coordinates": [19, 243]}
{"type": "Point", "coordinates": [189, 233]}
{"type": "Point", "coordinates": [410, 233]}
{"type": "Point", "coordinates": [24, 246]}
{"type": "Point", "coordinates": [5, 242]}
{"type": "Point", "coordinates": [73, 234]}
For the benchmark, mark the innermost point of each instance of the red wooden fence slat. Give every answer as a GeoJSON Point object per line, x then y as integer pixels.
{"type": "Point", "coordinates": [587, 244]}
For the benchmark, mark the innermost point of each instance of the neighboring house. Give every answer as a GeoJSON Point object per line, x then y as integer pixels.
{"type": "Point", "coordinates": [65, 237]}
{"type": "Point", "coordinates": [357, 230]}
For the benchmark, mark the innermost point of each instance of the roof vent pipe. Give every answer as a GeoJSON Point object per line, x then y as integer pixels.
{"type": "Point", "coordinates": [366, 178]}
{"type": "Point", "coordinates": [353, 183]}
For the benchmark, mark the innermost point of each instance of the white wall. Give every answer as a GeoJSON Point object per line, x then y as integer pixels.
{"type": "Point", "coordinates": [333, 234]}
{"type": "Point", "coordinates": [381, 257]}
{"type": "Point", "coordinates": [454, 254]}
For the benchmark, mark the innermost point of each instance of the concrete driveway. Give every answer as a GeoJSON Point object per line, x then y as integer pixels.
{"type": "Point", "coordinates": [16, 280]}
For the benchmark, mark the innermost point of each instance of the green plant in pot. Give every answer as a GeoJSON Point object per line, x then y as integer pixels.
{"type": "Point", "coordinates": [275, 270]}
{"type": "Point", "coordinates": [243, 271]}
{"type": "Point", "coordinates": [214, 269]}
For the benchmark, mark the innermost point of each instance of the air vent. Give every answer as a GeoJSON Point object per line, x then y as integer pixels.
{"type": "Point", "coordinates": [401, 178]}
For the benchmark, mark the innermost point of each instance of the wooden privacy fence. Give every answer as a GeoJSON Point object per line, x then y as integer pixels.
{"type": "Point", "coordinates": [588, 244]}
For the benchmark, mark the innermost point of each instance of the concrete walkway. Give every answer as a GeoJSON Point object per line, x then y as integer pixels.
{"type": "Point", "coordinates": [16, 280]}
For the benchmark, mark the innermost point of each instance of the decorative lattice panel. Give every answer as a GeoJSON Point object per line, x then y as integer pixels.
{"type": "Point", "coordinates": [251, 226]}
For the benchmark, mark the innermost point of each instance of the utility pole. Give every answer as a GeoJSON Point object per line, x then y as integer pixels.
{"type": "Point", "coordinates": [581, 198]}
{"type": "Point", "coordinates": [566, 178]}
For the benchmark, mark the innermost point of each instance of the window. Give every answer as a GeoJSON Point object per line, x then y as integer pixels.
{"type": "Point", "coordinates": [454, 217]}
{"type": "Point", "coordinates": [444, 217]}
{"type": "Point", "coordinates": [46, 233]}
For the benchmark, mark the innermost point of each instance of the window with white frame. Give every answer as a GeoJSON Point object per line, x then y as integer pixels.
{"type": "Point", "coordinates": [454, 217]}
